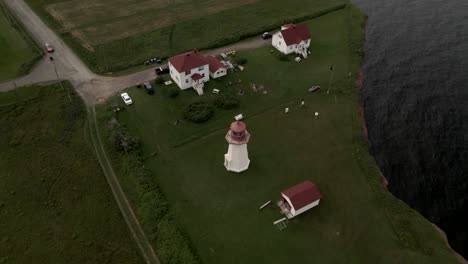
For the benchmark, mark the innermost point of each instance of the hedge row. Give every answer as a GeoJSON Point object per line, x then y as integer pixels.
{"type": "Point", "coordinates": [159, 223]}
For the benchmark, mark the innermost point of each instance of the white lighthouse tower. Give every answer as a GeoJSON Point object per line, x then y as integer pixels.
{"type": "Point", "coordinates": [237, 157]}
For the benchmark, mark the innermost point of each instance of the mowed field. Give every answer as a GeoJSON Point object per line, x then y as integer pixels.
{"type": "Point", "coordinates": [55, 204]}
{"type": "Point", "coordinates": [116, 35]}
{"type": "Point", "coordinates": [357, 221]}
{"type": "Point", "coordinates": [17, 51]}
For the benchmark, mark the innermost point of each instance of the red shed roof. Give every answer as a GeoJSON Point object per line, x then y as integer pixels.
{"type": "Point", "coordinates": [302, 194]}
{"type": "Point", "coordinates": [196, 77]}
{"type": "Point", "coordinates": [188, 61]}
{"type": "Point", "coordinates": [214, 63]}
{"type": "Point", "coordinates": [294, 34]}
{"type": "Point", "coordinates": [238, 126]}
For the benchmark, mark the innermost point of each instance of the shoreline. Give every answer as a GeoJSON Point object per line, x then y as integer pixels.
{"type": "Point", "coordinates": [359, 84]}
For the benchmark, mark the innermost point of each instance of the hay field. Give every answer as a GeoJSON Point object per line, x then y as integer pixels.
{"type": "Point", "coordinates": [102, 21]}
{"type": "Point", "coordinates": [112, 36]}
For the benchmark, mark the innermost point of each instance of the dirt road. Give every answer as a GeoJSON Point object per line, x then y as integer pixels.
{"type": "Point", "coordinates": [134, 226]}
{"type": "Point", "coordinates": [91, 87]}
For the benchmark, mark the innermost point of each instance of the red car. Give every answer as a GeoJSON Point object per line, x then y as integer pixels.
{"type": "Point", "coordinates": [49, 48]}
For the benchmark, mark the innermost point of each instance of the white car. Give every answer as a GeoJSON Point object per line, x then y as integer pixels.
{"type": "Point", "coordinates": [126, 98]}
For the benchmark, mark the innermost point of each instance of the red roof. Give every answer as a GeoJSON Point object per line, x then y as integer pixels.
{"type": "Point", "coordinates": [188, 61]}
{"type": "Point", "coordinates": [238, 126]}
{"type": "Point", "coordinates": [302, 194]}
{"type": "Point", "coordinates": [295, 34]}
{"type": "Point", "coordinates": [214, 63]}
{"type": "Point", "coordinates": [196, 77]}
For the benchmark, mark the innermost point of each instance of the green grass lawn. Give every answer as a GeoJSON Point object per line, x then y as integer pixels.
{"type": "Point", "coordinates": [17, 50]}
{"type": "Point", "coordinates": [182, 31]}
{"type": "Point", "coordinates": [357, 221]}
{"type": "Point", "coordinates": [55, 204]}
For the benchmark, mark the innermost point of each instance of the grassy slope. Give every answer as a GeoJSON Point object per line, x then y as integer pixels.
{"type": "Point", "coordinates": [16, 48]}
{"type": "Point", "coordinates": [55, 205]}
{"type": "Point", "coordinates": [213, 30]}
{"type": "Point", "coordinates": [358, 221]}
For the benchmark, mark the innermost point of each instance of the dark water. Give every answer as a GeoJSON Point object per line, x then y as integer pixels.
{"type": "Point", "coordinates": [415, 99]}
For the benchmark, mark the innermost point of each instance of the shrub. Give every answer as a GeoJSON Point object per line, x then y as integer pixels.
{"type": "Point", "coordinates": [159, 80]}
{"type": "Point", "coordinates": [172, 91]}
{"type": "Point", "coordinates": [226, 101]}
{"type": "Point", "coordinates": [240, 60]}
{"type": "Point", "coordinates": [199, 111]}
{"type": "Point", "coordinates": [282, 57]}
{"type": "Point", "coordinates": [121, 139]}
{"type": "Point", "coordinates": [124, 142]}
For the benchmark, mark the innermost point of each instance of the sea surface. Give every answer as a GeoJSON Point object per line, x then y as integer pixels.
{"type": "Point", "coordinates": [415, 99]}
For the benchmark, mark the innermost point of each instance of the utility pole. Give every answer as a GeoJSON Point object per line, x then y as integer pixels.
{"type": "Point", "coordinates": [332, 69]}
{"type": "Point", "coordinates": [16, 92]}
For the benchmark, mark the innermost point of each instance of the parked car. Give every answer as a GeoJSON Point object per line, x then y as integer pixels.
{"type": "Point", "coordinates": [266, 35]}
{"type": "Point", "coordinates": [162, 70]}
{"type": "Point", "coordinates": [126, 98]}
{"type": "Point", "coordinates": [148, 88]}
{"type": "Point", "coordinates": [49, 48]}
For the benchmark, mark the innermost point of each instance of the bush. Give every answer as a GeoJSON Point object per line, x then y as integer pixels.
{"type": "Point", "coordinates": [172, 91]}
{"type": "Point", "coordinates": [226, 101]}
{"type": "Point", "coordinates": [240, 60]}
{"type": "Point", "coordinates": [124, 142]}
{"type": "Point", "coordinates": [159, 80]}
{"type": "Point", "coordinates": [282, 57]}
{"type": "Point", "coordinates": [199, 111]}
{"type": "Point", "coordinates": [121, 139]}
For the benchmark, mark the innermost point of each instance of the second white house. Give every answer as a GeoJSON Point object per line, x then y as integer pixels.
{"type": "Point", "coordinates": [292, 39]}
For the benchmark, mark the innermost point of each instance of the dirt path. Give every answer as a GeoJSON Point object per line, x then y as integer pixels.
{"type": "Point", "coordinates": [132, 222]}
{"type": "Point", "coordinates": [91, 87]}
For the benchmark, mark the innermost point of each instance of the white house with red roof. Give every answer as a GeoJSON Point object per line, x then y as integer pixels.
{"type": "Point", "coordinates": [292, 39]}
{"type": "Point", "coordinates": [299, 198]}
{"type": "Point", "coordinates": [192, 69]}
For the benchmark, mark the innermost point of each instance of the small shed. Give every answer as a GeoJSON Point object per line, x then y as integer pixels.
{"type": "Point", "coordinates": [299, 198]}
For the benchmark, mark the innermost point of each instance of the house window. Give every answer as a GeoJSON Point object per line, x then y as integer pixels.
{"type": "Point", "coordinates": [186, 81]}
{"type": "Point", "coordinates": [203, 75]}
{"type": "Point", "coordinates": [201, 68]}
{"type": "Point", "coordinates": [279, 42]}
{"type": "Point", "coordinates": [187, 72]}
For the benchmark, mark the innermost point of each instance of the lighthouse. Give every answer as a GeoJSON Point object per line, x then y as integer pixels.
{"type": "Point", "coordinates": [237, 157]}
